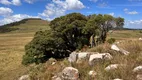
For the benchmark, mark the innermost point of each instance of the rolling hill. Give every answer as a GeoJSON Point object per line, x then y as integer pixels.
{"type": "Point", "coordinates": [25, 25]}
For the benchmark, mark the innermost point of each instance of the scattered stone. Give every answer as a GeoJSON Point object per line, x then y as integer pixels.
{"type": "Point", "coordinates": [124, 52]}
{"type": "Point", "coordinates": [139, 77]}
{"type": "Point", "coordinates": [73, 57]}
{"type": "Point", "coordinates": [117, 79]}
{"type": "Point", "coordinates": [92, 74]}
{"type": "Point", "coordinates": [115, 47]}
{"type": "Point", "coordinates": [97, 57]}
{"type": "Point", "coordinates": [53, 63]}
{"type": "Point", "coordinates": [70, 73]}
{"type": "Point", "coordinates": [111, 67]}
{"type": "Point", "coordinates": [56, 78]}
{"type": "Point", "coordinates": [24, 77]}
{"type": "Point", "coordinates": [137, 69]}
{"type": "Point", "coordinates": [114, 66]}
{"type": "Point", "coordinates": [140, 39]}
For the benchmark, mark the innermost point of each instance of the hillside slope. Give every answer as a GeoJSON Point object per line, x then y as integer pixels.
{"type": "Point", "coordinates": [25, 25]}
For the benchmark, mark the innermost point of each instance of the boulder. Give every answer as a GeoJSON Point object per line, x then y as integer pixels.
{"type": "Point", "coordinates": [70, 73]}
{"type": "Point", "coordinates": [139, 77]}
{"type": "Point", "coordinates": [92, 73]}
{"type": "Point", "coordinates": [97, 57]}
{"type": "Point", "coordinates": [137, 69]}
{"type": "Point", "coordinates": [24, 77]}
{"type": "Point", "coordinates": [82, 56]}
{"type": "Point", "coordinates": [73, 57]}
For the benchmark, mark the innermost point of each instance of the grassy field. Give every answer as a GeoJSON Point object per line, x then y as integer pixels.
{"type": "Point", "coordinates": [11, 52]}
{"type": "Point", "coordinates": [12, 47]}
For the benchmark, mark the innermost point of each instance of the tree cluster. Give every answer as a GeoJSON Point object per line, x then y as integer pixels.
{"type": "Point", "coordinates": [67, 34]}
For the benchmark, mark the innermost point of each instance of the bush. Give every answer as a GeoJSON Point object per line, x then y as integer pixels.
{"type": "Point", "coordinates": [111, 40]}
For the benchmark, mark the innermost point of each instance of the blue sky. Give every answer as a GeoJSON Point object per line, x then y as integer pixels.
{"type": "Point", "coordinates": [15, 10]}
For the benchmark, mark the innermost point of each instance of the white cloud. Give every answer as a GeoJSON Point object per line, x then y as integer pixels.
{"type": "Point", "coordinates": [5, 11]}
{"type": "Point", "coordinates": [58, 8]}
{"type": "Point", "coordinates": [16, 2]}
{"type": "Point", "coordinates": [29, 1]}
{"type": "Point", "coordinates": [130, 12]}
{"type": "Point", "coordinates": [16, 17]}
{"type": "Point", "coordinates": [112, 14]}
{"type": "Point", "coordinates": [5, 2]}
{"type": "Point", "coordinates": [12, 2]}
{"type": "Point", "coordinates": [134, 24]}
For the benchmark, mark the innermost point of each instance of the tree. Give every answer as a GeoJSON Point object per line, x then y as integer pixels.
{"type": "Point", "coordinates": [119, 22]}
{"type": "Point", "coordinates": [66, 34]}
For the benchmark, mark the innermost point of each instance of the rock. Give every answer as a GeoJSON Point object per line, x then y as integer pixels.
{"type": "Point", "coordinates": [111, 67]}
{"type": "Point", "coordinates": [114, 66]}
{"type": "Point", "coordinates": [114, 47]}
{"type": "Point", "coordinates": [140, 39]}
{"type": "Point", "coordinates": [56, 78]}
{"type": "Point", "coordinates": [73, 57]}
{"type": "Point", "coordinates": [96, 57]}
{"type": "Point", "coordinates": [92, 73]}
{"type": "Point", "coordinates": [124, 52]}
{"type": "Point", "coordinates": [137, 69]}
{"type": "Point", "coordinates": [82, 55]}
{"type": "Point", "coordinates": [53, 63]}
{"type": "Point", "coordinates": [139, 77]}
{"type": "Point", "coordinates": [117, 79]}
{"type": "Point", "coordinates": [70, 73]}
{"type": "Point", "coordinates": [107, 56]}
{"type": "Point", "coordinates": [24, 77]}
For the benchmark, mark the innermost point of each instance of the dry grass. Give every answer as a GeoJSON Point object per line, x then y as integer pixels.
{"type": "Point", "coordinates": [11, 52]}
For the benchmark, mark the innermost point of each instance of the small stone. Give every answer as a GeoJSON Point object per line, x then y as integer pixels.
{"type": "Point", "coordinates": [139, 77]}
{"type": "Point", "coordinates": [92, 73]}
{"type": "Point", "coordinates": [137, 69]}
{"type": "Point", "coordinates": [24, 77]}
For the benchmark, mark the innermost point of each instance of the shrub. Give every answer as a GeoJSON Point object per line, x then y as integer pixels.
{"type": "Point", "coordinates": [111, 40]}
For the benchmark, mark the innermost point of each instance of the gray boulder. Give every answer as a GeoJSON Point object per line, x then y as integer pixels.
{"type": "Point", "coordinates": [97, 57]}
{"type": "Point", "coordinates": [73, 57]}
{"type": "Point", "coordinates": [70, 73]}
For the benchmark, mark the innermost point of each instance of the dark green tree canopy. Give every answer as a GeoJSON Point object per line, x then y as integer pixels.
{"type": "Point", "coordinates": [66, 34]}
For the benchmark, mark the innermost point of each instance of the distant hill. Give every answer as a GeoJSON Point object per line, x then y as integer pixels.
{"type": "Point", "coordinates": [25, 25]}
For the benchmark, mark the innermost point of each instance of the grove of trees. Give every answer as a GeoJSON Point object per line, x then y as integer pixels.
{"type": "Point", "coordinates": [68, 33]}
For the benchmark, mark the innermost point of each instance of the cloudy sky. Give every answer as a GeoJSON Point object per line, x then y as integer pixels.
{"type": "Point", "coordinates": [15, 10]}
